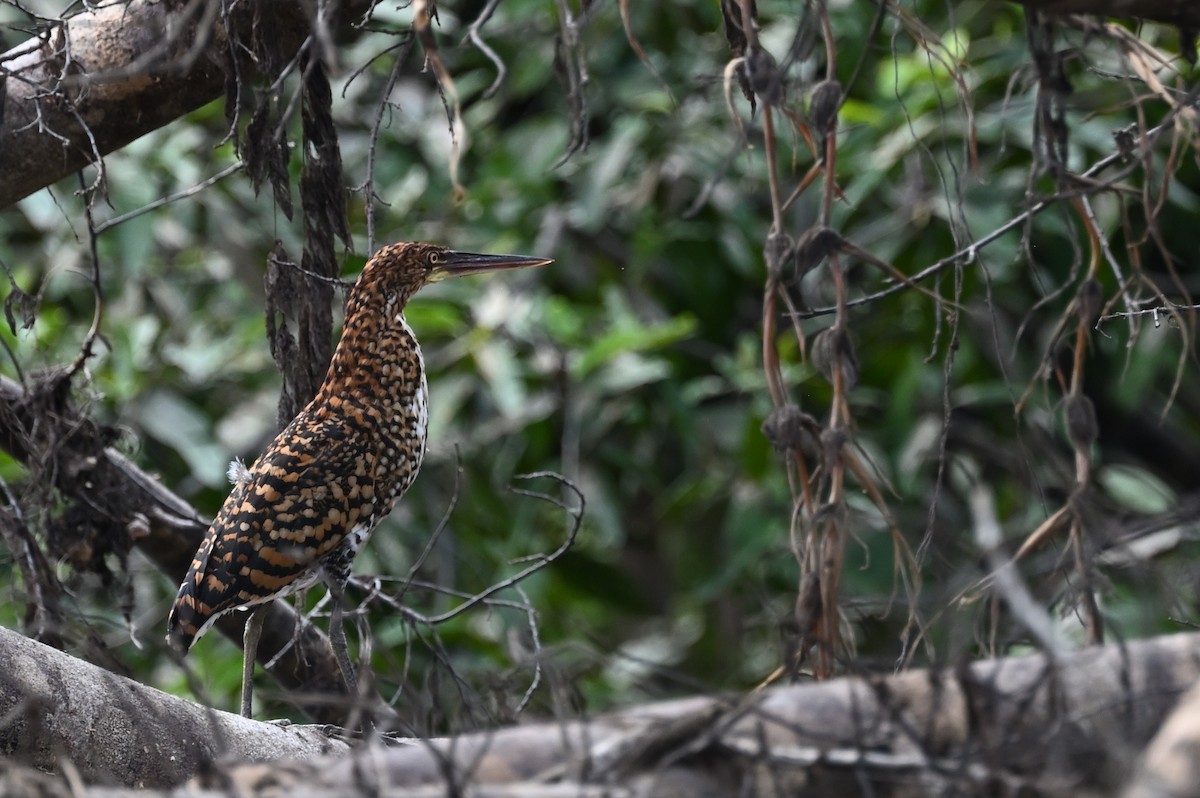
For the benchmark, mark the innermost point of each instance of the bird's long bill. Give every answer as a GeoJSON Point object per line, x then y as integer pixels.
{"type": "Point", "coordinates": [455, 264]}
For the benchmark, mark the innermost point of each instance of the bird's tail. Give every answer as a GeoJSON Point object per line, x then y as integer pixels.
{"type": "Point", "coordinates": [190, 614]}
{"type": "Point", "coordinates": [185, 621]}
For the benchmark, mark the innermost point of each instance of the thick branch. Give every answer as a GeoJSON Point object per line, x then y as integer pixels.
{"type": "Point", "coordinates": [55, 707]}
{"type": "Point", "coordinates": [43, 430]}
{"type": "Point", "coordinates": [1025, 725]}
{"type": "Point", "coordinates": [1020, 725]}
{"type": "Point", "coordinates": [114, 73]}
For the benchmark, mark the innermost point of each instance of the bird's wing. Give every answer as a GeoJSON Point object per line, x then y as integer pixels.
{"type": "Point", "coordinates": [299, 500]}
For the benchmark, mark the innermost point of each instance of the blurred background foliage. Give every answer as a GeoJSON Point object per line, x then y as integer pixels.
{"type": "Point", "coordinates": [632, 366]}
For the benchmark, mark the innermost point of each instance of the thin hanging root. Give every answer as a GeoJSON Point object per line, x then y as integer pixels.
{"type": "Point", "coordinates": [909, 573]}
{"type": "Point", "coordinates": [727, 85]}
{"type": "Point", "coordinates": [1039, 535]}
{"type": "Point", "coordinates": [422, 19]}
{"type": "Point", "coordinates": [771, 369]}
{"type": "Point", "coordinates": [1060, 327]}
{"type": "Point", "coordinates": [623, 6]}
{"type": "Point", "coordinates": [828, 634]}
{"type": "Point", "coordinates": [867, 482]}
{"type": "Point", "coordinates": [818, 166]}
{"type": "Point", "coordinates": [771, 678]}
{"type": "Point", "coordinates": [1093, 621]}
{"type": "Point", "coordinates": [801, 126]}
{"type": "Point", "coordinates": [810, 176]}
{"type": "Point", "coordinates": [973, 592]}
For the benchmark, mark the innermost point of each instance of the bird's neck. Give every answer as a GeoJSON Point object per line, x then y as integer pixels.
{"type": "Point", "coordinates": [377, 363]}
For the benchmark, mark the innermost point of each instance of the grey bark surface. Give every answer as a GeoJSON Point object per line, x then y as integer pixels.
{"type": "Point", "coordinates": [56, 708]}
{"type": "Point", "coordinates": [1071, 727]}
{"type": "Point", "coordinates": [1171, 766]}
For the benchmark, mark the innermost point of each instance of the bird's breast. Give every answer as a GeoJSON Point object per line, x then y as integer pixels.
{"type": "Point", "coordinates": [404, 420]}
{"type": "Point", "coordinates": [389, 399]}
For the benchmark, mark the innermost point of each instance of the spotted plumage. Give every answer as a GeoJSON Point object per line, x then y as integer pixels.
{"type": "Point", "coordinates": [301, 512]}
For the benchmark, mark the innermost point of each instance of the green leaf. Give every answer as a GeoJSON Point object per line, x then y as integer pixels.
{"type": "Point", "coordinates": [180, 424]}
{"type": "Point", "coordinates": [632, 339]}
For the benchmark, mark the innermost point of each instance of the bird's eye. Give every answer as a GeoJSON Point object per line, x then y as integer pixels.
{"type": "Point", "coordinates": [434, 258]}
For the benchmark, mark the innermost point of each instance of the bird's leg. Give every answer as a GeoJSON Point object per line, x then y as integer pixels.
{"type": "Point", "coordinates": [337, 639]}
{"type": "Point", "coordinates": [253, 631]}
{"type": "Point", "coordinates": [336, 578]}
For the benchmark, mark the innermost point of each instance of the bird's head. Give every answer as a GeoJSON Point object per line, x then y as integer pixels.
{"type": "Point", "coordinates": [398, 271]}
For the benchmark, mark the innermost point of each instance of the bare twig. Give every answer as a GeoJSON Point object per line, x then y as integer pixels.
{"type": "Point", "coordinates": [192, 191]}
{"type": "Point", "coordinates": [968, 254]}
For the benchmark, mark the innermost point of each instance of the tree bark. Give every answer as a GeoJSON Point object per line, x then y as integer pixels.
{"type": "Point", "coordinates": [101, 79]}
{"type": "Point", "coordinates": [112, 730]}
{"type": "Point", "coordinates": [1027, 725]}
{"type": "Point", "coordinates": [1171, 767]}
